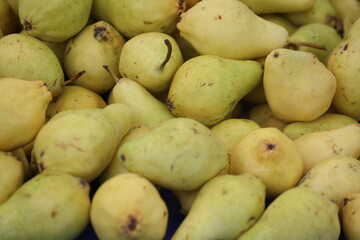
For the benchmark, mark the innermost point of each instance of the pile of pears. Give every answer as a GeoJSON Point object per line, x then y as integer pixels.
{"type": "Point", "coordinates": [246, 112]}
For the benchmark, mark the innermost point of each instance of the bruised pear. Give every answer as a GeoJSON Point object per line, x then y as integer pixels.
{"type": "Point", "coordinates": [179, 154]}
{"type": "Point", "coordinates": [22, 109]}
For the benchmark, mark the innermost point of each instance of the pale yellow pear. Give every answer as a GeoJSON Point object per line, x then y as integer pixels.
{"type": "Point", "coordinates": [350, 216]}
{"type": "Point", "coordinates": [270, 155]}
{"type": "Point", "coordinates": [75, 97]}
{"type": "Point", "coordinates": [334, 178]}
{"type": "Point", "coordinates": [50, 205]}
{"type": "Point", "coordinates": [278, 6]}
{"type": "Point", "coordinates": [224, 207]}
{"type": "Point", "coordinates": [179, 154]}
{"type": "Point", "coordinates": [222, 28]}
{"type": "Point", "coordinates": [280, 20]}
{"type": "Point", "coordinates": [264, 117]}
{"type": "Point", "coordinates": [96, 45]}
{"type": "Point", "coordinates": [343, 62]}
{"type": "Point", "coordinates": [317, 146]}
{"type": "Point", "coordinates": [298, 87]}
{"type": "Point", "coordinates": [327, 121]}
{"type": "Point", "coordinates": [297, 214]}
{"type": "Point", "coordinates": [81, 142]}
{"type": "Point", "coordinates": [128, 206]}
{"type": "Point", "coordinates": [22, 109]}
{"type": "Point", "coordinates": [11, 175]}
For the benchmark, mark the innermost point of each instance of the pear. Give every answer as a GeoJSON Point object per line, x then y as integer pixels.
{"type": "Point", "coordinates": [147, 109]}
{"type": "Point", "coordinates": [334, 178]}
{"type": "Point", "coordinates": [75, 97]}
{"type": "Point", "coordinates": [317, 146]}
{"type": "Point", "coordinates": [210, 96]}
{"type": "Point", "coordinates": [151, 59]}
{"type": "Point", "coordinates": [28, 58]}
{"type": "Point", "coordinates": [278, 6]}
{"type": "Point", "coordinates": [224, 208]}
{"type": "Point", "coordinates": [81, 142]}
{"type": "Point", "coordinates": [21, 156]}
{"type": "Point", "coordinates": [293, 83]}
{"type": "Point", "coordinates": [9, 21]}
{"type": "Point", "coordinates": [131, 18]}
{"type": "Point", "coordinates": [348, 11]}
{"type": "Point", "coordinates": [350, 216]}
{"type": "Point", "coordinates": [264, 117]}
{"type": "Point", "coordinates": [55, 21]}
{"type": "Point", "coordinates": [280, 20]}
{"type": "Point", "coordinates": [320, 12]}
{"type": "Point", "coordinates": [50, 205]}
{"type": "Point", "coordinates": [179, 154]}
{"type": "Point", "coordinates": [327, 121]}
{"type": "Point", "coordinates": [217, 27]}
{"type": "Point", "coordinates": [318, 33]}
{"type": "Point", "coordinates": [116, 165]}
{"type": "Point", "coordinates": [343, 63]}
{"type": "Point", "coordinates": [96, 45]}
{"type": "Point", "coordinates": [269, 154]}
{"type": "Point", "coordinates": [297, 214]}
{"type": "Point", "coordinates": [128, 206]}
{"type": "Point", "coordinates": [22, 109]}
{"type": "Point", "coordinates": [232, 130]}
{"type": "Point", "coordinates": [11, 177]}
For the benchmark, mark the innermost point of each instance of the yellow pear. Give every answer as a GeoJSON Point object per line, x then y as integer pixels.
{"type": "Point", "coordinates": [22, 109]}
{"type": "Point", "coordinates": [225, 207]}
{"type": "Point", "coordinates": [128, 206]}
{"type": "Point", "coordinates": [270, 155]}
{"type": "Point", "coordinates": [317, 146]}
{"type": "Point", "coordinates": [217, 27]}
{"type": "Point", "coordinates": [350, 216]}
{"type": "Point", "coordinates": [11, 175]}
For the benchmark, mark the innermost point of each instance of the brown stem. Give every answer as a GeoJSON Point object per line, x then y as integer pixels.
{"type": "Point", "coordinates": [112, 75]}
{"type": "Point", "coordinates": [168, 55]}
{"type": "Point", "coordinates": [339, 26]}
{"type": "Point", "coordinates": [74, 78]}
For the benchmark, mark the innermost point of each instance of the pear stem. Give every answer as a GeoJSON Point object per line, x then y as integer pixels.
{"type": "Point", "coordinates": [339, 26]}
{"type": "Point", "coordinates": [296, 44]}
{"type": "Point", "coordinates": [74, 78]}
{"type": "Point", "coordinates": [168, 55]}
{"type": "Point", "coordinates": [112, 75]}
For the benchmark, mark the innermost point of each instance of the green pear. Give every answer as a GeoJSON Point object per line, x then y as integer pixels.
{"type": "Point", "coordinates": [128, 206]}
{"type": "Point", "coordinates": [278, 6]}
{"type": "Point", "coordinates": [131, 18]}
{"type": "Point", "coordinates": [75, 97]}
{"type": "Point", "coordinates": [343, 63]}
{"type": "Point", "coordinates": [348, 11]}
{"type": "Point", "coordinates": [217, 27]}
{"type": "Point", "coordinates": [54, 21]}
{"type": "Point", "coordinates": [96, 45]}
{"type": "Point", "coordinates": [81, 142]}
{"type": "Point", "coordinates": [11, 175]}
{"type": "Point", "coordinates": [22, 109]}
{"type": "Point", "coordinates": [179, 154]}
{"type": "Point", "coordinates": [297, 214]}
{"type": "Point", "coordinates": [50, 205]}
{"type": "Point", "coordinates": [317, 146]}
{"type": "Point", "coordinates": [293, 83]}
{"type": "Point", "coordinates": [334, 178]}
{"type": "Point", "coordinates": [151, 59]}
{"type": "Point", "coordinates": [232, 130]}
{"type": "Point", "coordinates": [280, 20]}
{"type": "Point", "coordinates": [269, 154]}
{"type": "Point", "coordinates": [350, 216]}
{"type": "Point", "coordinates": [210, 96]}
{"type": "Point", "coordinates": [327, 121]}
{"type": "Point", "coordinates": [224, 208]}
{"type": "Point", "coordinates": [147, 109]}
{"type": "Point", "coordinates": [28, 58]}
{"type": "Point", "coordinates": [264, 117]}
{"type": "Point", "coordinates": [318, 13]}
{"type": "Point", "coordinates": [318, 33]}
{"type": "Point", "coordinates": [9, 21]}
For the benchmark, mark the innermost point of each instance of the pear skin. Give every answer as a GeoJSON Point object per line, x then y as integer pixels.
{"type": "Point", "coordinates": [350, 216]}
{"type": "Point", "coordinates": [225, 207]}
{"type": "Point", "coordinates": [128, 206]}
{"type": "Point", "coordinates": [264, 117]}
{"type": "Point", "coordinates": [278, 6]}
